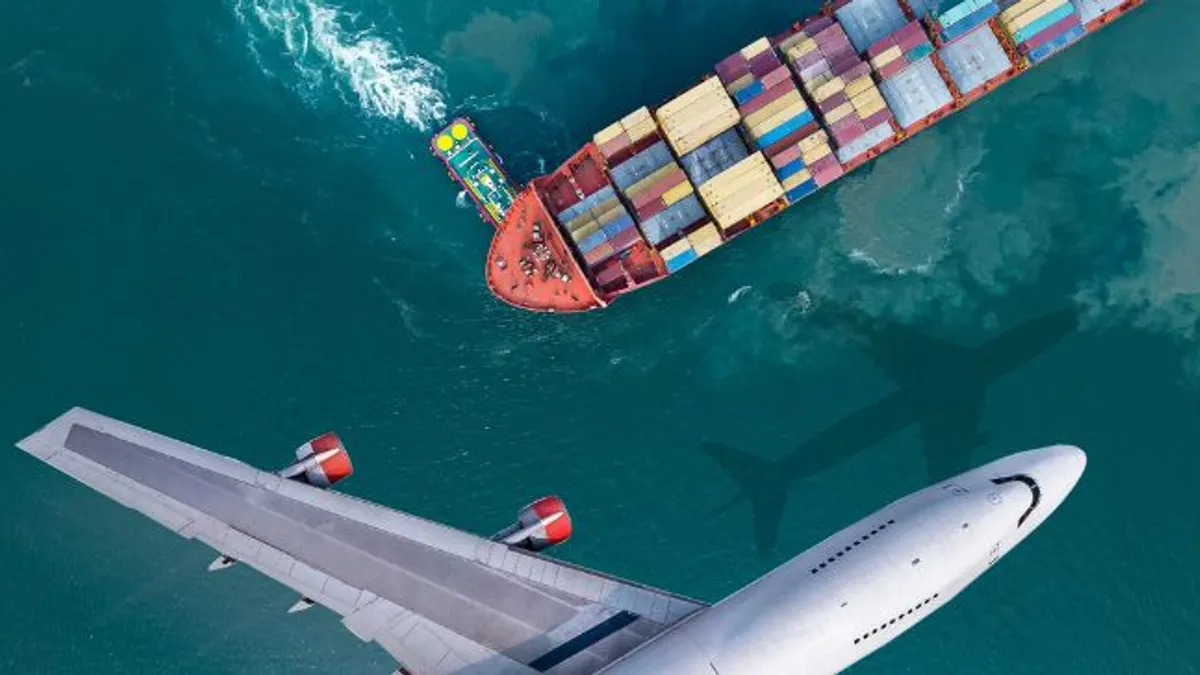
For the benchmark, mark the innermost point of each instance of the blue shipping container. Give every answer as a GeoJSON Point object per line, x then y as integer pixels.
{"type": "Point", "coordinates": [783, 130]}
{"type": "Point", "coordinates": [592, 241]}
{"type": "Point", "coordinates": [1050, 48]}
{"type": "Point", "coordinates": [801, 191]}
{"type": "Point", "coordinates": [747, 93]}
{"type": "Point", "coordinates": [790, 169]}
{"type": "Point", "coordinates": [1028, 32]}
{"type": "Point", "coordinates": [682, 260]}
{"type": "Point", "coordinates": [615, 227]}
{"type": "Point", "coordinates": [969, 23]}
{"type": "Point", "coordinates": [676, 217]}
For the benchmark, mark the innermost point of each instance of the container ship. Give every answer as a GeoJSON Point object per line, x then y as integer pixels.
{"type": "Point", "coordinates": [772, 124]}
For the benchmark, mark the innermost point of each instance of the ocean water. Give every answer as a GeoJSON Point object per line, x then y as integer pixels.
{"type": "Point", "coordinates": [221, 221]}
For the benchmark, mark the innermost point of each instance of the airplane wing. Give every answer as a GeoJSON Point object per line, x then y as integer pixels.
{"type": "Point", "coordinates": [951, 434]}
{"type": "Point", "coordinates": [438, 599]}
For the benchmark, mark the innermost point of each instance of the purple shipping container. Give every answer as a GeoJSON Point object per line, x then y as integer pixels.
{"type": "Point", "coordinates": [860, 70]}
{"type": "Point", "coordinates": [1051, 32]}
{"type": "Point", "coordinates": [818, 24]}
{"type": "Point", "coordinates": [878, 118]}
{"type": "Point", "coordinates": [847, 129]}
{"type": "Point", "coordinates": [830, 104]}
{"type": "Point", "coordinates": [731, 68]}
{"type": "Point", "coordinates": [764, 63]}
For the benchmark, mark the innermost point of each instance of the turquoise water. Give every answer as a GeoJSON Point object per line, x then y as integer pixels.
{"type": "Point", "coordinates": [222, 222]}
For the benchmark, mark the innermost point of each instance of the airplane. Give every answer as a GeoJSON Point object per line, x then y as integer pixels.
{"type": "Point", "coordinates": [943, 388]}
{"type": "Point", "coordinates": [442, 601]}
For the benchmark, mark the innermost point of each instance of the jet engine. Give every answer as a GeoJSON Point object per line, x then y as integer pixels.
{"type": "Point", "coordinates": [321, 462]}
{"type": "Point", "coordinates": [539, 526]}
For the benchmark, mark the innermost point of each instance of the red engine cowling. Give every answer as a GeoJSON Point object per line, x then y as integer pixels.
{"type": "Point", "coordinates": [539, 525]}
{"type": "Point", "coordinates": [321, 462]}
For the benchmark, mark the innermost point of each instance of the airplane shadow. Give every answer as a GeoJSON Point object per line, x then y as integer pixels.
{"type": "Point", "coordinates": [942, 387]}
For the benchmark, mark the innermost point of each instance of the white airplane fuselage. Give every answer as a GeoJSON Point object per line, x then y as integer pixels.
{"type": "Point", "coordinates": [849, 595]}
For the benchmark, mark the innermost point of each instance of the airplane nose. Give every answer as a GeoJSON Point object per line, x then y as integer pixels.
{"type": "Point", "coordinates": [1057, 469]}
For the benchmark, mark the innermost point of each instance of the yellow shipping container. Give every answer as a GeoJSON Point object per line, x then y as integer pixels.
{"type": "Point", "coordinates": [773, 107]}
{"type": "Point", "coordinates": [798, 178]}
{"type": "Point", "coordinates": [864, 83]}
{"type": "Point", "coordinates": [651, 179]}
{"type": "Point", "coordinates": [891, 54]}
{"type": "Point", "coordinates": [801, 47]}
{"type": "Point", "coordinates": [740, 83]}
{"type": "Point", "coordinates": [611, 211]}
{"type": "Point", "coordinates": [585, 230]}
{"type": "Point", "coordinates": [829, 88]}
{"type": "Point", "coordinates": [641, 129]}
{"type": "Point", "coordinates": [705, 238]}
{"type": "Point", "coordinates": [771, 123]}
{"type": "Point", "coordinates": [820, 152]}
{"type": "Point", "coordinates": [839, 112]}
{"type": "Point", "coordinates": [709, 88]}
{"type": "Point", "coordinates": [636, 117]}
{"type": "Point", "coordinates": [732, 213]}
{"type": "Point", "coordinates": [1034, 14]}
{"type": "Point", "coordinates": [676, 248]}
{"type": "Point", "coordinates": [1018, 9]}
{"type": "Point", "coordinates": [678, 192]}
{"type": "Point", "coordinates": [755, 48]}
{"type": "Point", "coordinates": [817, 139]}
{"type": "Point", "coordinates": [608, 133]}
{"type": "Point", "coordinates": [871, 107]}
{"type": "Point", "coordinates": [687, 139]}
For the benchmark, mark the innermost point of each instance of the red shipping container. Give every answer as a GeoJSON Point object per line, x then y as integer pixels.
{"type": "Point", "coordinates": [780, 74]}
{"type": "Point", "coordinates": [615, 145]}
{"type": "Point", "coordinates": [910, 42]}
{"type": "Point", "coordinates": [597, 255]}
{"type": "Point", "coordinates": [881, 46]}
{"type": "Point", "coordinates": [608, 272]}
{"type": "Point", "coordinates": [625, 238]}
{"type": "Point", "coordinates": [792, 139]}
{"type": "Point", "coordinates": [650, 210]}
{"type": "Point", "coordinates": [656, 191]}
{"type": "Point", "coordinates": [786, 157]}
{"type": "Point", "coordinates": [894, 68]}
{"type": "Point", "coordinates": [862, 69]}
{"type": "Point", "coordinates": [766, 98]}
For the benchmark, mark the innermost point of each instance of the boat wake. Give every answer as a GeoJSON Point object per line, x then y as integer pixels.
{"type": "Point", "coordinates": [323, 46]}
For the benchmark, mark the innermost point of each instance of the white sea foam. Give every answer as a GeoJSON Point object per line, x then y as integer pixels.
{"type": "Point", "coordinates": [462, 200]}
{"type": "Point", "coordinates": [322, 40]}
{"type": "Point", "coordinates": [737, 295]}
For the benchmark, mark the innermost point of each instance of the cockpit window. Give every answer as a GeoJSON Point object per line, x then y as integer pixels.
{"type": "Point", "coordinates": [1033, 487]}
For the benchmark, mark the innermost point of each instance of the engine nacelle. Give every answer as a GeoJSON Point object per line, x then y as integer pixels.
{"type": "Point", "coordinates": [539, 526]}
{"type": "Point", "coordinates": [321, 462]}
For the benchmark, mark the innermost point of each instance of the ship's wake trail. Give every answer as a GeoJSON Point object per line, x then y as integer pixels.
{"type": "Point", "coordinates": [318, 47]}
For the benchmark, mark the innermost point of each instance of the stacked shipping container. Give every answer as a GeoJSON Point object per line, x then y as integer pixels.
{"type": "Point", "coordinates": [850, 104]}
{"type": "Point", "coordinates": [961, 18]}
{"type": "Point", "coordinates": [774, 114]}
{"type": "Point", "coordinates": [1041, 27]}
{"type": "Point", "coordinates": [644, 170]}
{"type": "Point", "coordinates": [901, 49]}
{"type": "Point", "coordinates": [868, 21]}
{"type": "Point", "coordinates": [975, 59]}
{"type": "Point", "coordinates": [1090, 10]}
{"type": "Point", "coordinates": [740, 191]}
{"type": "Point", "coordinates": [912, 85]}
{"type": "Point", "coordinates": [600, 226]}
